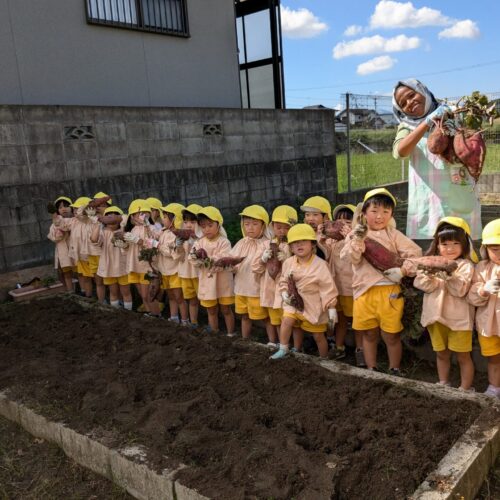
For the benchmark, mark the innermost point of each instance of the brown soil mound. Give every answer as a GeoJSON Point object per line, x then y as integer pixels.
{"type": "Point", "coordinates": [245, 426]}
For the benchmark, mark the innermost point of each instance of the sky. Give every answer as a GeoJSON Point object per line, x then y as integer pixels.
{"type": "Point", "coordinates": [331, 47]}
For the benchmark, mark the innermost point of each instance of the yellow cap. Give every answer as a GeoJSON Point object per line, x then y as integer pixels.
{"type": "Point", "coordinates": [301, 232]}
{"type": "Point", "coordinates": [318, 204]}
{"type": "Point", "coordinates": [337, 209]}
{"type": "Point", "coordinates": [81, 202]}
{"type": "Point", "coordinates": [138, 205]}
{"type": "Point", "coordinates": [376, 191]}
{"type": "Point", "coordinates": [63, 198]}
{"type": "Point", "coordinates": [491, 233]}
{"type": "Point", "coordinates": [285, 214]}
{"type": "Point", "coordinates": [112, 209]}
{"type": "Point", "coordinates": [193, 209]}
{"type": "Point", "coordinates": [154, 203]}
{"type": "Point", "coordinates": [256, 212]}
{"type": "Point", "coordinates": [176, 209]}
{"type": "Point", "coordinates": [100, 194]}
{"type": "Point", "coordinates": [212, 213]}
{"type": "Point", "coordinates": [454, 221]}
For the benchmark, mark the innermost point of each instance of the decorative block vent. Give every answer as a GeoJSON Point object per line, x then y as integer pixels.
{"type": "Point", "coordinates": [80, 133]}
{"type": "Point", "coordinates": [212, 129]}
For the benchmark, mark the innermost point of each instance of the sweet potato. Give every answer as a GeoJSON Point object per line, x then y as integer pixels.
{"type": "Point", "coordinates": [449, 155]}
{"type": "Point", "coordinates": [333, 229]}
{"type": "Point", "coordinates": [470, 149]}
{"type": "Point", "coordinates": [380, 257]}
{"type": "Point", "coordinates": [435, 263]}
{"type": "Point", "coordinates": [110, 219]}
{"type": "Point", "coordinates": [183, 234]}
{"type": "Point", "coordinates": [200, 253]}
{"type": "Point", "coordinates": [99, 202]}
{"type": "Point", "coordinates": [293, 292]}
{"type": "Point", "coordinates": [273, 265]}
{"type": "Point", "coordinates": [438, 140]}
{"type": "Point", "coordinates": [227, 262]}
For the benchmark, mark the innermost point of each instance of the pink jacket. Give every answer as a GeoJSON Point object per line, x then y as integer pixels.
{"type": "Point", "coordinates": [113, 261]}
{"type": "Point", "coordinates": [169, 257]}
{"type": "Point", "coordinates": [61, 253]}
{"type": "Point", "coordinates": [340, 265]}
{"type": "Point", "coordinates": [134, 265]}
{"type": "Point", "coordinates": [186, 268]}
{"type": "Point", "coordinates": [488, 308]}
{"type": "Point", "coordinates": [79, 243]}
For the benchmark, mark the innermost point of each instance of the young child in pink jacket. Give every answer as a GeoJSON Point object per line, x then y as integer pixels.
{"type": "Point", "coordinates": [282, 219]}
{"type": "Point", "coordinates": [378, 307]}
{"type": "Point", "coordinates": [216, 288]}
{"type": "Point", "coordinates": [62, 261]}
{"type": "Point", "coordinates": [485, 294]}
{"type": "Point", "coordinates": [315, 286]}
{"type": "Point", "coordinates": [112, 268]}
{"type": "Point", "coordinates": [446, 314]}
{"type": "Point", "coordinates": [254, 221]}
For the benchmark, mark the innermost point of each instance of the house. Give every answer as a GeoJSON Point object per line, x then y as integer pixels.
{"type": "Point", "coordinates": [358, 117]}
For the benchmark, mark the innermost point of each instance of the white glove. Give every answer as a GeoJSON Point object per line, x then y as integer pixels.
{"type": "Point", "coordinates": [266, 255]}
{"type": "Point", "coordinates": [120, 244]}
{"type": "Point", "coordinates": [286, 298]}
{"type": "Point", "coordinates": [281, 256]}
{"type": "Point", "coordinates": [394, 274]}
{"type": "Point", "coordinates": [178, 242]}
{"type": "Point", "coordinates": [333, 318]}
{"type": "Point", "coordinates": [437, 113]}
{"type": "Point", "coordinates": [93, 219]}
{"type": "Point", "coordinates": [131, 238]}
{"type": "Point", "coordinates": [492, 286]}
{"type": "Point", "coordinates": [90, 211]}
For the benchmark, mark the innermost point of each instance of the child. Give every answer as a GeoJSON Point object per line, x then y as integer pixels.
{"type": "Point", "coordinates": [215, 288]}
{"type": "Point", "coordinates": [79, 228]}
{"type": "Point", "coordinates": [378, 307]}
{"type": "Point", "coordinates": [138, 230]}
{"type": "Point", "coordinates": [254, 221]}
{"type": "Point", "coordinates": [485, 294]}
{"type": "Point", "coordinates": [112, 267]}
{"type": "Point", "coordinates": [317, 210]}
{"type": "Point", "coordinates": [187, 272]}
{"type": "Point", "coordinates": [341, 269]}
{"type": "Point", "coordinates": [171, 251]}
{"type": "Point", "coordinates": [314, 284]}
{"type": "Point", "coordinates": [282, 219]}
{"type": "Point", "coordinates": [445, 312]}
{"type": "Point", "coordinates": [62, 261]}
{"type": "Point", "coordinates": [156, 206]}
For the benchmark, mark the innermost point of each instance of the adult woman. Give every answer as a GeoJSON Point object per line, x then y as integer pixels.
{"type": "Point", "coordinates": [435, 189]}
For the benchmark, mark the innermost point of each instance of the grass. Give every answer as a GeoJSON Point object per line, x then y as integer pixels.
{"type": "Point", "coordinates": [381, 168]}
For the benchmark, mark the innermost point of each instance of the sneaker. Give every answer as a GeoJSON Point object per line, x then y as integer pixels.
{"type": "Point", "coordinates": [294, 350]}
{"type": "Point", "coordinates": [360, 358]}
{"type": "Point", "coordinates": [207, 329]}
{"type": "Point", "coordinates": [151, 315]}
{"type": "Point", "coordinates": [174, 320]}
{"type": "Point", "coordinates": [444, 384]}
{"type": "Point", "coordinates": [470, 389]}
{"type": "Point", "coordinates": [395, 372]}
{"type": "Point", "coordinates": [231, 334]}
{"type": "Point", "coordinates": [185, 322]}
{"type": "Point", "coordinates": [493, 391]}
{"type": "Point", "coordinates": [337, 353]}
{"type": "Point", "coordinates": [279, 354]}
{"type": "Point", "coordinates": [272, 345]}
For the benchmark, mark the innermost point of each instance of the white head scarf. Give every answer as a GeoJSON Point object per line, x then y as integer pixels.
{"type": "Point", "coordinates": [431, 102]}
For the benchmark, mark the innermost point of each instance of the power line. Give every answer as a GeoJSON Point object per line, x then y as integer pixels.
{"type": "Point", "coordinates": [450, 70]}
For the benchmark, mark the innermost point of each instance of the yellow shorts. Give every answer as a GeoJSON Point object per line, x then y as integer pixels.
{"type": "Point", "coordinates": [490, 346]}
{"type": "Point", "coordinates": [301, 322]}
{"type": "Point", "coordinates": [275, 315]}
{"type": "Point", "coordinates": [225, 301]}
{"type": "Point", "coordinates": [121, 280]}
{"type": "Point", "coordinates": [443, 338]}
{"type": "Point", "coordinates": [68, 269]}
{"type": "Point", "coordinates": [189, 287]}
{"type": "Point", "coordinates": [345, 304]}
{"type": "Point", "coordinates": [250, 306]}
{"type": "Point", "coordinates": [94, 263]}
{"type": "Point", "coordinates": [83, 268]}
{"type": "Point", "coordinates": [379, 307]}
{"type": "Point", "coordinates": [170, 281]}
{"type": "Point", "coordinates": [137, 278]}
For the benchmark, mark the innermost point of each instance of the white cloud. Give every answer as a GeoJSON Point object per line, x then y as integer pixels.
{"type": "Point", "coordinates": [374, 44]}
{"type": "Point", "coordinates": [461, 29]}
{"type": "Point", "coordinates": [390, 14]}
{"type": "Point", "coordinates": [353, 30]}
{"type": "Point", "coordinates": [301, 23]}
{"type": "Point", "coordinates": [376, 64]}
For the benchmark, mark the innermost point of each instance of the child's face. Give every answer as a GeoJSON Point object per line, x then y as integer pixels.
{"type": "Point", "coordinates": [64, 209]}
{"type": "Point", "coordinates": [377, 217]}
{"type": "Point", "coordinates": [411, 102]}
{"type": "Point", "coordinates": [280, 229]}
{"type": "Point", "coordinates": [155, 214]}
{"type": "Point", "coordinates": [450, 249]}
{"type": "Point", "coordinates": [139, 218]}
{"type": "Point", "coordinates": [314, 219]}
{"type": "Point", "coordinates": [210, 228]}
{"type": "Point", "coordinates": [252, 227]}
{"type": "Point", "coordinates": [302, 248]}
{"type": "Point", "coordinates": [494, 253]}
{"type": "Point", "coordinates": [168, 220]}
{"type": "Point", "coordinates": [189, 223]}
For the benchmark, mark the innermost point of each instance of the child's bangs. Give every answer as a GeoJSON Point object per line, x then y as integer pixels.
{"type": "Point", "coordinates": [344, 213]}
{"type": "Point", "coordinates": [379, 200]}
{"type": "Point", "coordinates": [451, 233]}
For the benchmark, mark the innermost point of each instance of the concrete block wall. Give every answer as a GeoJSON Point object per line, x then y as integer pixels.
{"type": "Point", "coordinates": [262, 156]}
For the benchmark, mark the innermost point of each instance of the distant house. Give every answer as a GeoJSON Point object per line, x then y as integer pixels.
{"type": "Point", "coordinates": [389, 119]}
{"type": "Point", "coordinates": [358, 117]}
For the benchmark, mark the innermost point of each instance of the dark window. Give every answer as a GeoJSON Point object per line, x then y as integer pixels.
{"type": "Point", "coordinates": [158, 16]}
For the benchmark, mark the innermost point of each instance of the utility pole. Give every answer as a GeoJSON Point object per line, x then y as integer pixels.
{"type": "Point", "coordinates": [348, 127]}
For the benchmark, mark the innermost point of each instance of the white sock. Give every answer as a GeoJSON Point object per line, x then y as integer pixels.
{"type": "Point", "coordinates": [174, 318]}
{"type": "Point", "coordinates": [127, 306]}
{"type": "Point", "coordinates": [284, 347]}
{"type": "Point", "coordinates": [114, 303]}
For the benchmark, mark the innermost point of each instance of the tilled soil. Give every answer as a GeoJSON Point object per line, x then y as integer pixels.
{"type": "Point", "coordinates": [245, 426]}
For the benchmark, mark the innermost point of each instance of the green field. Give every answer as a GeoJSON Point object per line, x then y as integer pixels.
{"type": "Point", "coordinates": [381, 168]}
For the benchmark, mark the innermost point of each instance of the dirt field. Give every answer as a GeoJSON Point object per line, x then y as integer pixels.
{"type": "Point", "coordinates": [246, 427]}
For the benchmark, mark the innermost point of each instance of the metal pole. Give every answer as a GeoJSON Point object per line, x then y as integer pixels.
{"type": "Point", "coordinates": [348, 127]}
